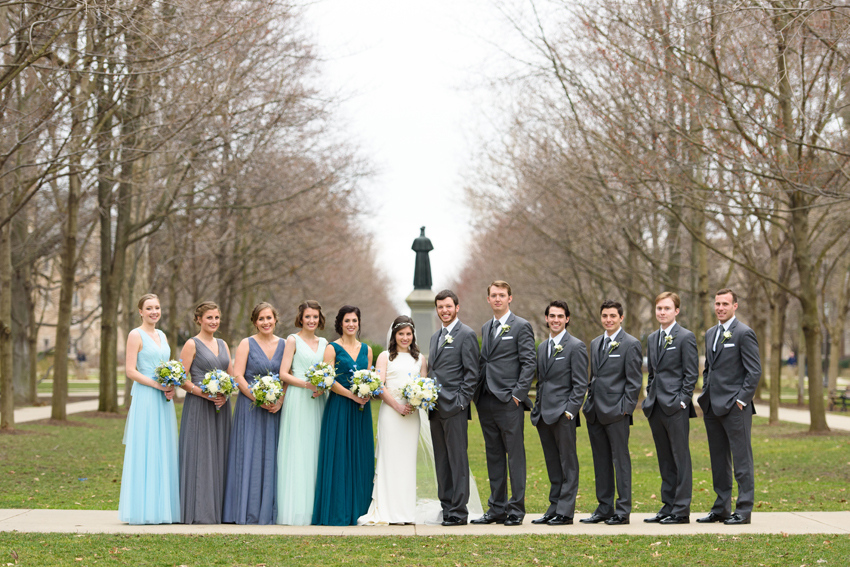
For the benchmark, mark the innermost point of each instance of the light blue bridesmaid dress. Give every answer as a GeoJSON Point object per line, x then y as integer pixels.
{"type": "Point", "coordinates": [150, 481]}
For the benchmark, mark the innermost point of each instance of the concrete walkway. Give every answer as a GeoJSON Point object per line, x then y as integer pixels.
{"type": "Point", "coordinates": [36, 413]}
{"type": "Point", "coordinates": [835, 421]}
{"type": "Point", "coordinates": [106, 521]}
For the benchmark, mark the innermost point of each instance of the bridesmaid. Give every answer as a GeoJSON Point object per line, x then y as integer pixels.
{"type": "Point", "coordinates": [347, 447]}
{"type": "Point", "coordinates": [149, 481]}
{"type": "Point", "coordinates": [204, 433]}
{"type": "Point", "coordinates": [249, 494]}
{"type": "Point", "coordinates": [301, 424]}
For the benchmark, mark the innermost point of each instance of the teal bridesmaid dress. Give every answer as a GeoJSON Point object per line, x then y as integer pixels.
{"type": "Point", "coordinates": [150, 481]}
{"type": "Point", "coordinates": [346, 451]}
{"type": "Point", "coordinates": [298, 448]}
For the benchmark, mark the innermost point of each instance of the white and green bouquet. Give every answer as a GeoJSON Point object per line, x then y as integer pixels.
{"type": "Point", "coordinates": [366, 384]}
{"type": "Point", "coordinates": [218, 382]}
{"type": "Point", "coordinates": [170, 373]}
{"type": "Point", "coordinates": [321, 375]}
{"type": "Point", "coordinates": [267, 389]}
{"type": "Point", "coordinates": [422, 393]}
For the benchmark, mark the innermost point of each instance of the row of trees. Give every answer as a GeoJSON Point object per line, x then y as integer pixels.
{"type": "Point", "coordinates": [679, 145]}
{"type": "Point", "coordinates": [179, 147]}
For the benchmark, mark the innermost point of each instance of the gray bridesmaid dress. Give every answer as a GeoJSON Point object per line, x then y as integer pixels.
{"type": "Point", "coordinates": [204, 438]}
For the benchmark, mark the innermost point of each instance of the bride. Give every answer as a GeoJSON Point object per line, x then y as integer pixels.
{"type": "Point", "coordinates": [402, 494]}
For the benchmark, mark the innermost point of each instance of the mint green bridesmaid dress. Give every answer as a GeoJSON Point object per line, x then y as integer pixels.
{"type": "Point", "coordinates": [298, 445]}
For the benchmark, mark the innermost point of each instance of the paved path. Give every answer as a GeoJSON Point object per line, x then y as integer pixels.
{"type": "Point", "coordinates": [36, 413]}
{"type": "Point", "coordinates": [835, 421]}
{"type": "Point", "coordinates": [106, 521]}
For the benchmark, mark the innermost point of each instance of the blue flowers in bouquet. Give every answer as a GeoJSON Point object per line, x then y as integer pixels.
{"type": "Point", "coordinates": [322, 375]}
{"type": "Point", "coordinates": [422, 393]}
{"type": "Point", "coordinates": [218, 382]}
{"type": "Point", "coordinates": [267, 389]}
{"type": "Point", "coordinates": [170, 373]}
{"type": "Point", "coordinates": [366, 384]}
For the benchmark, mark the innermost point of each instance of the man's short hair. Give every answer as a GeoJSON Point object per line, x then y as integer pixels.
{"type": "Point", "coordinates": [562, 305]}
{"type": "Point", "coordinates": [611, 304]}
{"type": "Point", "coordinates": [726, 290]}
{"type": "Point", "coordinates": [500, 283]}
{"type": "Point", "coordinates": [445, 294]}
{"type": "Point", "coordinates": [669, 295]}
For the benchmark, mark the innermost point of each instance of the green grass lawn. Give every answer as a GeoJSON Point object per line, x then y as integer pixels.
{"type": "Point", "coordinates": [451, 551]}
{"type": "Point", "coordinates": [78, 466]}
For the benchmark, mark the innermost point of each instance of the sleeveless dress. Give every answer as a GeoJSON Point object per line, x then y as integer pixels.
{"type": "Point", "coordinates": [394, 495]}
{"type": "Point", "coordinates": [204, 437]}
{"type": "Point", "coordinates": [149, 481]}
{"type": "Point", "coordinates": [298, 448]}
{"type": "Point", "coordinates": [249, 493]}
{"type": "Point", "coordinates": [346, 451]}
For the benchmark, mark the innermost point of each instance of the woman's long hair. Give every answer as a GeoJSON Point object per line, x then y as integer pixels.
{"type": "Point", "coordinates": [400, 323]}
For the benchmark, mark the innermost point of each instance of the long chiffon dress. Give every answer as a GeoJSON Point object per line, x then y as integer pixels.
{"type": "Point", "coordinates": [249, 494]}
{"type": "Point", "coordinates": [346, 451]}
{"type": "Point", "coordinates": [149, 481]}
{"type": "Point", "coordinates": [204, 437]}
{"type": "Point", "coordinates": [298, 448]}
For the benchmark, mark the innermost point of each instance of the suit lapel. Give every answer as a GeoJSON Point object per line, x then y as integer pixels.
{"type": "Point", "coordinates": [662, 348]}
{"type": "Point", "coordinates": [594, 355]}
{"type": "Point", "coordinates": [487, 338]}
{"type": "Point", "coordinates": [432, 351]}
{"type": "Point", "coordinates": [550, 357]}
{"type": "Point", "coordinates": [439, 346]}
{"type": "Point", "coordinates": [720, 347]}
{"type": "Point", "coordinates": [606, 352]}
{"type": "Point", "coordinates": [498, 340]}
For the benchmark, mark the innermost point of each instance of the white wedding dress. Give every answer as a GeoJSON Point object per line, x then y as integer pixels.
{"type": "Point", "coordinates": [405, 488]}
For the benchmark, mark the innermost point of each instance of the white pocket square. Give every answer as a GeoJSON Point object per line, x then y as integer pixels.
{"type": "Point", "coordinates": [671, 348]}
{"type": "Point", "coordinates": [560, 358]}
{"type": "Point", "coordinates": [729, 345]}
{"type": "Point", "coordinates": [447, 347]}
{"type": "Point", "coordinates": [613, 356]}
{"type": "Point", "coordinates": [506, 338]}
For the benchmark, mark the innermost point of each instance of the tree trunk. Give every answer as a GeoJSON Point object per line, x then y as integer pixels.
{"type": "Point", "coordinates": [7, 388]}
{"type": "Point", "coordinates": [779, 309]}
{"type": "Point", "coordinates": [760, 329]}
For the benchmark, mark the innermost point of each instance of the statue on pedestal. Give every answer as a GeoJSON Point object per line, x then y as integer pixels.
{"type": "Point", "coordinates": [422, 275]}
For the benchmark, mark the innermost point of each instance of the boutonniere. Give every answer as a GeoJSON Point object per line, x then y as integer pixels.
{"type": "Point", "coordinates": [614, 345]}
{"type": "Point", "coordinates": [668, 340]}
{"type": "Point", "coordinates": [726, 336]}
{"type": "Point", "coordinates": [448, 340]}
{"type": "Point", "coordinates": [504, 329]}
{"type": "Point", "coordinates": [558, 349]}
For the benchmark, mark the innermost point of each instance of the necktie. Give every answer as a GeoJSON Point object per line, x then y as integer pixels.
{"type": "Point", "coordinates": [496, 326]}
{"type": "Point", "coordinates": [551, 346]}
{"type": "Point", "coordinates": [441, 340]}
{"type": "Point", "coordinates": [661, 336]}
{"type": "Point", "coordinates": [717, 336]}
{"type": "Point", "coordinates": [606, 345]}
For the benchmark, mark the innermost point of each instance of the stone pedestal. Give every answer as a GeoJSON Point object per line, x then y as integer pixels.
{"type": "Point", "coordinates": [421, 303]}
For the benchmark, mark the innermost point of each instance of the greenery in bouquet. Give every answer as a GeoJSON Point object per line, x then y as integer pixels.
{"type": "Point", "coordinates": [170, 373]}
{"type": "Point", "coordinates": [218, 382]}
{"type": "Point", "coordinates": [267, 389]}
{"type": "Point", "coordinates": [422, 393]}
{"type": "Point", "coordinates": [366, 384]}
{"type": "Point", "coordinates": [322, 375]}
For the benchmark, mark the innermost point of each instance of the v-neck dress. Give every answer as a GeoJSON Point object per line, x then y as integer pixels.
{"type": "Point", "coordinates": [204, 438]}
{"type": "Point", "coordinates": [298, 448]}
{"type": "Point", "coordinates": [346, 451]}
{"type": "Point", "coordinates": [249, 494]}
{"type": "Point", "coordinates": [149, 480]}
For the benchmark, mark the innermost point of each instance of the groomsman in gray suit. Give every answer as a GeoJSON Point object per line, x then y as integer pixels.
{"type": "Point", "coordinates": [561, 385]}
{"type": "Point", "coordinates": [506, 369]}
{"type": "Point", "coordinates": [617, 375]}
{"type": "Point", "coordinates": [453, 363]}
{"type": "Point", "coordinates": [673, 364]}
{"type": "Point", "coordinates": [732, 372]}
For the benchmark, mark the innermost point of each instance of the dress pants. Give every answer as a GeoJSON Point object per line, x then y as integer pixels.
{"type": "Point", "coordinates": [502, 424]}
{"type": "Point", "coordinates": [670, 433]}
{"type": "Point", "coordinates": [449, 436]}
{"type": "Point", "coordinates": [610, 446]}
{"type": "Point", "coordinates": [559, 450]}
{"type": "Point", "coordinates": [729, 441]}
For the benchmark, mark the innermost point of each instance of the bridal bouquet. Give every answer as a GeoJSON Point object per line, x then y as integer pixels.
{"type": "Point", "coordinates": [267, 389]}
{"type": "Point", "coordinates": [422, 393]}
{"type": "Point", "coordinates": [170, 373]}
{"type": "Point", "coordinates": [321, 375]}
{"type": "Point", "coordinates": [218, 382]}
{"type": "Point", "coordinates": [366, 384]}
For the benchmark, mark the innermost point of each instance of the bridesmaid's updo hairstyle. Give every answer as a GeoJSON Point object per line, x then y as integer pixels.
{"type": "Point", "coordinates": [255, 314]}
{"type": "Point", "coordinates": [343, 311]}
{"type": "Point", "coordinates": [147, 297]}
{"type": "Point", "coordinates": [400, 323]}
{"type": "Point", "coordinates": [203, 307]}
{"type": "Point", "coordinates": [312, 304]}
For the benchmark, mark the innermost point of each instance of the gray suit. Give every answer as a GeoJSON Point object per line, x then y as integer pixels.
{"type": "Point", "coordinates": [561, 386]}
{"type": "Point", "coordinates": [506, 370]}
{"type": "Point", "coordinates": [454, 366]}
{"type": "Point", "coordinates": [612, 397]}
{"type": "Point", "coordinates": [673, 370]}
{"type": "Point", "coordinates": [731, 373]}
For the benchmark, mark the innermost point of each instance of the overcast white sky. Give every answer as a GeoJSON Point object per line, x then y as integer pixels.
{"type": "Point", "coordinates": [409, 70]}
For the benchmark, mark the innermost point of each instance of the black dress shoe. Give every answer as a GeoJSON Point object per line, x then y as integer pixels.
{"type": "Point", "coordinates": [513, 520]}
{"type": "Point", "coordinates": [617, 520]}
{"type": "Point", "coordinates": [487, 519]}
{"type": "Point", "coordinates": [560, 520]}
{"type": "Point", "coordinates": [736, 519]}
{"type": "Point", "coordinates": [655, 519]}
{"type": "Point", "coordinates": [544, 519]}
{"type": "Point", "coordinates": [674, 519]}
{"type": "Point", "coordinates": [594, 519]}
{"type": "Point", "coordinates": [454, 521]}
{"type": "Point", "coordinates": [712, 517]}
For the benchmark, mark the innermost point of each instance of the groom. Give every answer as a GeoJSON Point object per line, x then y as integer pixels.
{"type": "Point", "coordinates": [453, 362]}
